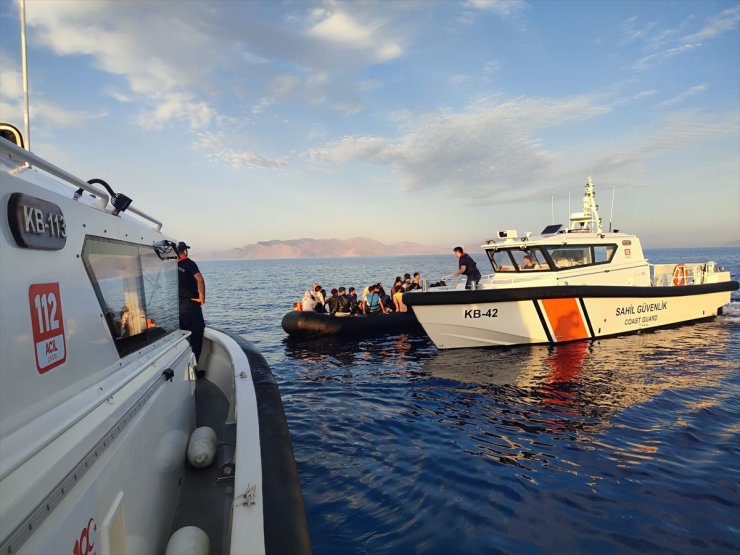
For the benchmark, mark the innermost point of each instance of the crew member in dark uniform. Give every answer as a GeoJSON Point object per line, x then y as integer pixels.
{"type": "Point", "coordinates": [467, 267]}
{"type": "Point", "coordinates": [192, 296]}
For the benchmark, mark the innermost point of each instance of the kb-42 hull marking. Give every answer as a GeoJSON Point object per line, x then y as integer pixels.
{"type": "Point", "coordinates": [559, 320]}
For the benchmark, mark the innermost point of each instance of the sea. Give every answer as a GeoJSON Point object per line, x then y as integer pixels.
{"type": "Point", "coordinates": [620, 445]}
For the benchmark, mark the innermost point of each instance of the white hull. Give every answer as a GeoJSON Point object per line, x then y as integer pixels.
{"type": "Point", "coordinates": [98, 395]}
{"type": "Point", "coordinates": [558, 320]}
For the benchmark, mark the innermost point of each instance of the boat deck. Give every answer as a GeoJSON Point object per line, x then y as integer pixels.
{"type": "Point", "coordinates": [200, 491]}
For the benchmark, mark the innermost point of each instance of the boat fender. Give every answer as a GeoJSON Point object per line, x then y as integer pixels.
{"type": "Point", "coordinates": [189, 540]}
{"type": "Point", "coordinates": [202, 447]}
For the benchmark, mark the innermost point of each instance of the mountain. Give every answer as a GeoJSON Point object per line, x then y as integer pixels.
{"type": "Point", "coordinates": [322, 248]}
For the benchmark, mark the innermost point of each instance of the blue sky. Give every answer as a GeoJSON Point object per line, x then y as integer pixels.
{"type": "Point", "coordinates": [435, 122]}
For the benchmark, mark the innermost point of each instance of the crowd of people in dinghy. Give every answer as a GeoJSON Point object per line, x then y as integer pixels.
{"type": "Point", "coordinates": [373, 301]}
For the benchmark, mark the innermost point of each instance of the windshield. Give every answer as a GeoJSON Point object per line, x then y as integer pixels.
{"type": "Point", "coordinates": [522, 259]}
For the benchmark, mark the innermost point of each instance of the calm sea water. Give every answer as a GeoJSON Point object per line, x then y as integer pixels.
{"type": "Point", "coordinates": [619, 445]}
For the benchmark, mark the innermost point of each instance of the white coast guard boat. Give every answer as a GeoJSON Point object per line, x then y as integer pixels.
{"type": "Point", "coordinates": [98, 395]}
{"type": "Point", "coordinates": [568, 285]}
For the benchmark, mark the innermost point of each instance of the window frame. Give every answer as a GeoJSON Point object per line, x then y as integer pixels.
{"type": "Point", "coordinates": [547, 259]}
{"type": "Point", "coordinates": [128, 344]}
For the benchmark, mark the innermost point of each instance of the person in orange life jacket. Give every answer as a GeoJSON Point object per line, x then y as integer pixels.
{"type": "Point", "coordinates": [467, 267]}
{"type": "Point", "coordinates": [192, 293]}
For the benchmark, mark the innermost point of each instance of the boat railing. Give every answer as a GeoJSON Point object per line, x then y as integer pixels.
{"type": "Point", "coordinates": [669, 275]}
{"type": "Point", "coordinates": [15, 152]}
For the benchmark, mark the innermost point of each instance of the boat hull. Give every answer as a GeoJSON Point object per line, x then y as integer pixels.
{"type": "Point", "coordinates": [504, 317]}
{"type": "Point", "coordinates": [313, 324]}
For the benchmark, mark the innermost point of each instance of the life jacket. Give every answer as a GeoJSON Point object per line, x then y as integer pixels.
{"type": "Point", "coordinates": [371, 306]}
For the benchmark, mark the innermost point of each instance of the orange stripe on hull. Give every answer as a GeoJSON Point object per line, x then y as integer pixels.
{"type": "Point", "coordinates": [565, 319]}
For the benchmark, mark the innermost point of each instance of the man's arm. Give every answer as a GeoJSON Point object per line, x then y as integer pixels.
{"type": "Point", "coordinates": [460, 271]}
{"type": "Point", "coordinates": [201, 288]}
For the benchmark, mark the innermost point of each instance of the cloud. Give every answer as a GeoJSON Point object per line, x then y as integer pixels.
{"type": "Point", "coordinates": [681, 97]}
{"type": "Point", "coordinates": [661, 44]}
{"type": "Point", "coordinates": [336, 25]}
{"type": "Point", "coordinates": [219, 146]}
{"type": "Point", "coordinates": [458, 79]}
{"type": "Point", "coordinates": [671, 133]}
{"type": "Point", "coordinates": [715, 26]}
{"type": "Point", "coordinates": [492, 151]}
{"type": "Point", "coordinates": [178, 107]}
{"type": "Point", "coordinates": [500, 7]}
{"type": "Point", "coordinates": [486, 151]}
{"type": "Point", "coordinates": [43, 112]}
{"type": "Point", "coordinates": [644, 94]}
{"type": "Point", "coordinates": [647, 61]}
{"type": "Point", "coordinates": [491, 66]}
{"type": "Point", "coordinates": [184, 66]}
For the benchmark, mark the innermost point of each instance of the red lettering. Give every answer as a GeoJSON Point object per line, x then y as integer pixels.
{"type": "Point", "coordinates": [86, 544]}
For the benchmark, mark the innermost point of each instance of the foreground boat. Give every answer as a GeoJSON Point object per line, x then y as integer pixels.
{"type": "Point", "coordinates": [301, 324]}
{"type": "Point", "coordinates": [98, 395]}
{"type": "Point", "coordinates": [569, 285]}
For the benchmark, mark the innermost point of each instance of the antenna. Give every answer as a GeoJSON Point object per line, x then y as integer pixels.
{"type": "Point", "coordinates": [552, 208]}
{"type": "Point", "coordinates": [611, 213]}
{"type": "Point", "coordinates": [26, 116]}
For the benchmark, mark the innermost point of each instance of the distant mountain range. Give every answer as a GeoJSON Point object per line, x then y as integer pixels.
{"type": "Point", "coordinates": [320, 248]}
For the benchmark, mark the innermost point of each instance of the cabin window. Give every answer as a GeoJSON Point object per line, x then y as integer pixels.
{"type": "Point", "coordinates": [518, 260]}
{"type": "Point", "coordinates": [136, 290]}
{"type": "Point", "coordinates": [529, 260]}
{"type": "Point", "coordinates": [500, 260]}
{"type": "Point", "coordinates": [604, 253]}
{"type": "Point", "coordinates": [572, 256]}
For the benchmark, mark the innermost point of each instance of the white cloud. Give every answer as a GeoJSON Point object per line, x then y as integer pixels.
{"type": "Point", "coordinates": [338, 26]}
{"type": "Point", "coordinates": [178, 107]}
{"type": "Point", "coordinates": [685, 95]}
{"type": "Point", "coordinates": [458, 79]}
{"type": "Point", "coordinates": [661, 44]}
{"type": "Point", "coordinates": [644, 94]}
{"type": "Point", "coordinates": [219, 146]}
{"type": "Point", "coordinates": [726, 21]}
{"type": "Point", "coordinates": [491, 151]}
{"type": "Point", "coordinates": [491, 66]}
{"type": "Point", "coordinates": [627, 154]}
{"type": "Point", "coordinates": [500, 7]}
{"type": "Point", "coordinates": [43, 113]}
{"type": "Point", "coordinates": [262, 104]}
{"type": "Point", "coordinates": [488, 150]}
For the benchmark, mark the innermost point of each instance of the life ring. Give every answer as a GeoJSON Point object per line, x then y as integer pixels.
{"type": "Point", "coordinates": [679, 275]}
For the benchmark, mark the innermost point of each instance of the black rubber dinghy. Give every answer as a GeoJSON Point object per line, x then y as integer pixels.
{"type": "Point", "coordinates": [314, 324]}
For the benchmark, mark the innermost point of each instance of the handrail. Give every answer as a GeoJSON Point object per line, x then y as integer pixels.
{"type": "Point", "coordinates": [30, 158]}
{"type": "Point", "coordinates": [146, 216]}
{"type": "Point", "coordinates": [38, 162]}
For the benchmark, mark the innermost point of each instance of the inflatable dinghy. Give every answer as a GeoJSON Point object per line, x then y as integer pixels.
{"type": "Point", "coordinates": [314, 324]}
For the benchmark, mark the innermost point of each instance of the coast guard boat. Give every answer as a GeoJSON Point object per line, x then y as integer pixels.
{"type": "Point", "coordinates": [98, 395]}
{"type": "Point", "coordinates": [568, 285]}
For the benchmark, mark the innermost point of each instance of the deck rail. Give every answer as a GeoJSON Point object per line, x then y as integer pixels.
{"type": "Point", "coordinates": [670, 275]}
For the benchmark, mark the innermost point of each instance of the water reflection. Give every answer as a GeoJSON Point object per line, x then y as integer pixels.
{"type": "Point", "coordinates": [392, 351]}
{"type": "Point", "coordinates": [572, 392]}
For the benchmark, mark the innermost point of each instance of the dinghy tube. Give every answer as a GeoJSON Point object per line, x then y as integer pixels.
{"type": "Point", "coordinates": [314, 324]}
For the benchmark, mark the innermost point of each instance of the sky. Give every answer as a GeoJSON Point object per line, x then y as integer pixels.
{"type": "Point", "coordinates": [436, 122]}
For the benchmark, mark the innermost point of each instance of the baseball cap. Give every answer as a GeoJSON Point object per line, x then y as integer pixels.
{"type": "Point", "coordinates": [181, 246]}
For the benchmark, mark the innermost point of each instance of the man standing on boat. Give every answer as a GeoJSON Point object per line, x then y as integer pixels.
{"type": "Point", "coordinates": [192, 297]}
{"type": "Point", "coordinates": [467, 267]}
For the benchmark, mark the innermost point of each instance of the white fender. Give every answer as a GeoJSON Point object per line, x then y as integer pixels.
{"type": "Point", "coordinates": [202, 447]}
{"type": "Point", "coordinates": [189, 540]}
